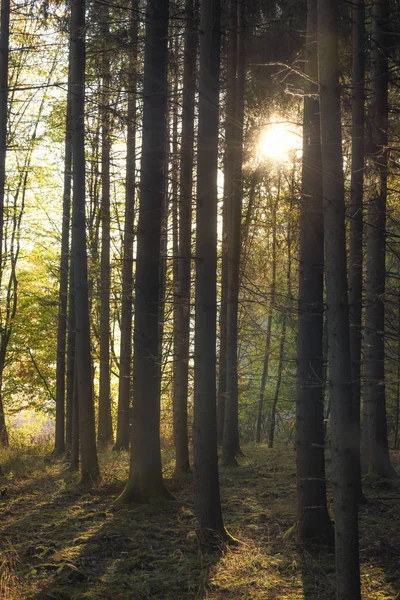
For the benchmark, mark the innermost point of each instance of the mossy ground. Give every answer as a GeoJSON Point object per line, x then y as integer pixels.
{"type": "Point", "coordinates": [62, 542]}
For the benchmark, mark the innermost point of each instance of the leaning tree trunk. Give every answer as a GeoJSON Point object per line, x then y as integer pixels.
{"type": "Point", "coordinates": [184, 247]}
{"type": "Point", "coordinates": [60, 439]}
{"type": "Point", "coordinates": [145, 482]}
{"type": "Point", "coordinates": [231, 447]}
{"type": "Point", "coordinates": [4, 54]}
{"type": "Point", "coordinates": [124, 390]}
{"type": "Point", "coordinates": [313, 521]}
{"type": "Point", "coordinates": [375, 441]}
{"type": "Point", "coordinates": [207, 497]}
{"type": "Point", "coordinates": [105, 431]}
{"type": "Point", "coordinates": [87, 431]}
{"type": "Point", "coordinates": [342, 442]}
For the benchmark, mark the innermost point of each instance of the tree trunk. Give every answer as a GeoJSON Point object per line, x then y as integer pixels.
{"type": "Point", "coordinates": [145, 482]}
{"type": "Point", "coordinates": [313, 523]}
{"type": "Point", "coordinates": [4, 54]}
{"type": "Point", "coordinates": [4, 441]}
{"type": "Point", "coordinates": [59, 446]}
{"type": "Point", "coordinates": [74, 458]}
{"type": "Point", "coordinates": [87, 430]}
{"type": "Point", "coordinates": [207, 498]}
{"type": "Point", "coordinates": [272, 422]}
{"type": "Point", "coordinates": [229, 168]}
{"type": "Point", "coordinates": [375, 442]}
{"type": "Point", "coordinates": [70, 358]}
{"type": "Point", "coordinates": [125, 386]}
{"type": "Point", "coordinates": [231, 445]}
{"type": "Point", "coordinates": [184, 248]}
{"type": "Point", "coordinates": [105, 431]}
{"type": "Point", "coordinates": [356, 221]}
{"type": "Point", "coordinates": [267, 350]}
{"type": "Point", "coordinates": [396, 443]}
{"type": "Point", "coordinates": [342, 442]}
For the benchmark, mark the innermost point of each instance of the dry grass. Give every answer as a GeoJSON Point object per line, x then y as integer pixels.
{"type": "Point", "coordinates": [61, 542]}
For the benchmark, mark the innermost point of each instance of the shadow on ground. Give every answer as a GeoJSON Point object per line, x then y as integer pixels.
{"type": "Point", "coordinates": [63, 542]}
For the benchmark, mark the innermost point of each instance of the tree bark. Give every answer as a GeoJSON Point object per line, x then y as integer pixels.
{"type": "Point", "coordinates": [74, 457]}
{"type": "Point", "coordinates": [70, 358]}
{"type": "Point", "coordinates": [375, 441]}
{"type": "Point", "coordinates": [87, 431]}
{"type": "Point", "coordinates": [229, 167]}
{"type": "Point", "coordinates": [60, 440]}
{"type": "Point", "coordinates": [313, 523]}
{"type": "Point", "coordinates": [268, 338]}
{"type": "Point", "coordinates": [231, 446]}
{"type": "Point", "coordinates": [272, 422]}
{"type": "Point", "coordinates": [105, 431]}
{"type": "Point", "coordinates": [342, 442]}
{"type": "Point", "coordinates": [145, 482]}
{"type": "Point", "coordinates": [125, 383]}
{"type": "Point", "coordinates": [4, 55]}
{"type": "Point", "coordinates": [184, 247]}
{"type": "Point", "coordinates": [356, 220]}
{"type": "Point", "coordinates": [207, 498]}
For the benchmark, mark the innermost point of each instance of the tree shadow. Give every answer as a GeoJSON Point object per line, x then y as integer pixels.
{"type": "Point", "coordinates": [137, 552]}
{"type": "Point", "coordinates": [71, 544]}
{"type": "Point", "coordinates": [318, 574]}
{"type": "Point", "coordinates": [380, 535]}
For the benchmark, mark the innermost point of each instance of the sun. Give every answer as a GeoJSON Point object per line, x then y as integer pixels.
{"type": "Point", "coordinates": [279, 141]}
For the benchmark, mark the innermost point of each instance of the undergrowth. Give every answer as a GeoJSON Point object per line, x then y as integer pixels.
{"type": "Point", "coordinates": [59, 541]}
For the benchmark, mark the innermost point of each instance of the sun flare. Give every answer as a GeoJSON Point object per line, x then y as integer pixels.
{"type": "Point", "coordinates": [278, 141]}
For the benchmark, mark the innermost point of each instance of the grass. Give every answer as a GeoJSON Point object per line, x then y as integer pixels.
{"type": "Point", "coordinates": [59, 541]}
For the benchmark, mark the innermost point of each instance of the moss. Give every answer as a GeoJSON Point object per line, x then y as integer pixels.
{"type": "Point", "coordinates": [63, 541]}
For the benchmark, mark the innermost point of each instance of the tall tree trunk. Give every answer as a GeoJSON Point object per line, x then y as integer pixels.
{"type": "Point", "coordinates": [356, 220]}
{"type": "Point", "coordinates": [4, 54]}
{"type": "Point", "coordinates": [105, 431]}
{"type": "Point", "coordinates": [184, 249]}
{"type": "Point", "coordinates": [268, 338]}
{"type": "Point", "coordinates": [74, 457]}
{"type": "Point", "coordinates": [313, 521]}
{"type": "Point", "coordinates": [145, 482]}
{"type": "Point", "coordinates": [70, 359]}
{"type": "Point", "coordinates": [124, 390]}
{"type": "Point", "coordinates": [59, 446]}
{"type": "Point", "coordinates": [375, 442]}
{"type": "Point", "coordinates": [4, 441]}
{"type": "Point", "coordinates": [87, 431]}
{"type": "Point", "coordinates": [229, 168]}
{"type": "Point", "coordinates": [396, 443]}
{"type": "Point", "coordinates": [342, 442]}
{"type": "Point", "coordinates": [207, 496]}
{"type": "Point", "coordinates": [272, 423]}
{"type": "Point", "coordinates": [231, 445]}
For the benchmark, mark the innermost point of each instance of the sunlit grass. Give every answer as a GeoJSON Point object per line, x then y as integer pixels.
{"type": "Point", "coordinates": [63, 541]}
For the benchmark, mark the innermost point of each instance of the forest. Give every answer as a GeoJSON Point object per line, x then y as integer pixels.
{"type": "Point", "coordinates": [199, 299]}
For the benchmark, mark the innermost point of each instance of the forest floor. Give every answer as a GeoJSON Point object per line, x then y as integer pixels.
{"type": "Point", "coordinates": [61, 542]}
